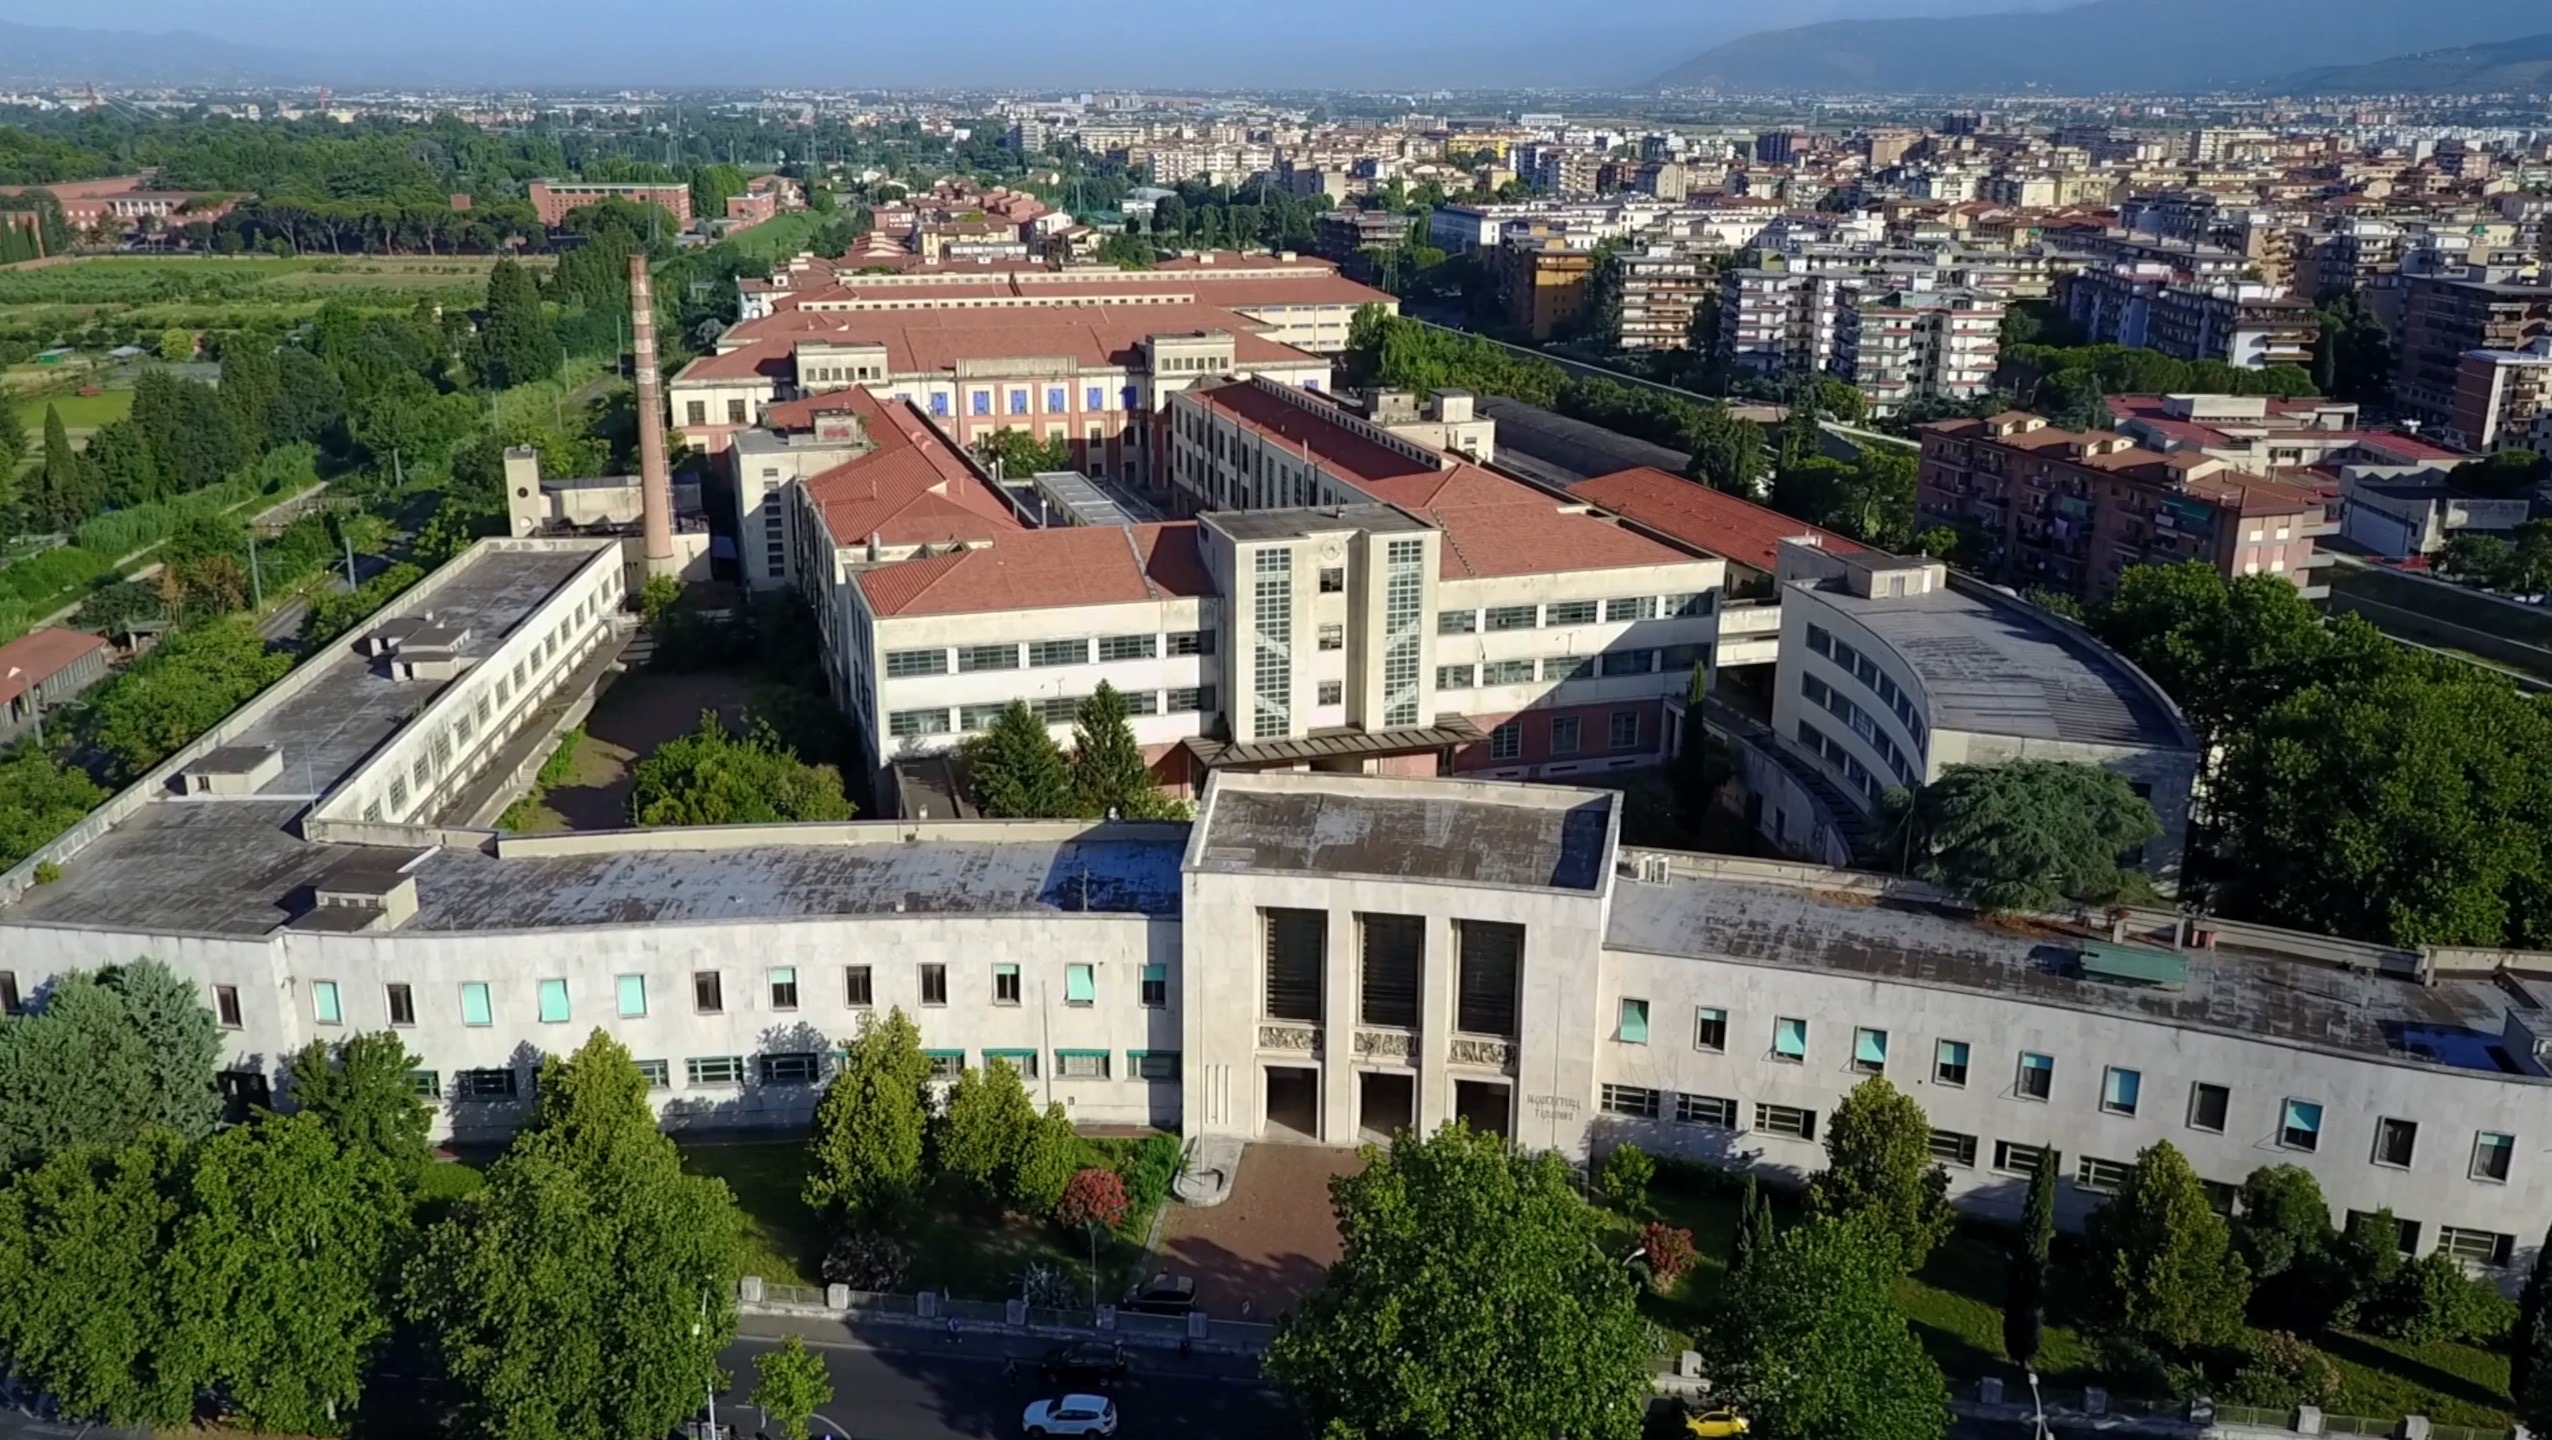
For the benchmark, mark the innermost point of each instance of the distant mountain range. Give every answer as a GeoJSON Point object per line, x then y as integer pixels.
{"type": "Point", "coordinates": [2108, 46]}
{"type": "Point", "coordinates": [49, 54]}
{"type": "Point", "coordinates": [2522, 66]}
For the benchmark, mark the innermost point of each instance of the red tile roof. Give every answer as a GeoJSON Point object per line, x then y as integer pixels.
{"type": "Point", "coordinates": [1699, 516]}
{"type": "Point", "coordinates": [913, 489]}
{"type": "Point", "coordinates": [928, 341]}
{"type": "Point", "coordinates": [39, 655]}
{"type": "Point", "coordinates": [1333, 445]}
{"type": "Point", "coordinates": [1045, 570]}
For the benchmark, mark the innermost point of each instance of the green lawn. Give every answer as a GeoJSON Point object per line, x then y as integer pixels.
{"type": "Point", "coordinates": [784, 1240]}
{"type": "Point", "coordinates": [1954, 1304]}
{"type": "Point", "coordinates": [79, 412]}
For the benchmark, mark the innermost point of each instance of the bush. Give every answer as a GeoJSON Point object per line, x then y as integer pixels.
{"type": "Point", "coordinates": [1627, 1171]}
{"type": "Point", "coordinates": [2431, 1299]}
{"type": "Point", "coordinates": [1095, 1197]}
{"type": "Point", "coordinates": [2280, 1372]}
{"type": "Point", "coordinates": [867, 1262]}
{"type": "Point", "coordinates": [1668, 1251]}
{"type": "Point", "coordinates": [1148, 1170]}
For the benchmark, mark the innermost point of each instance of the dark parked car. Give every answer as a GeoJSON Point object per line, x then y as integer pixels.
{"type": "Point", "coordinates": [1090, 1362]}
{"type": "Point", "coordinates": [1163, 1294]}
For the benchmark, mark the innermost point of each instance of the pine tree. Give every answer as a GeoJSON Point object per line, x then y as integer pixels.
{"type": "Point", "coordinates": [519, 343]}
{"type": "Point", "coordinates": [1108, 772]}
{"type": "Point", "coordinates": [1017, 772]}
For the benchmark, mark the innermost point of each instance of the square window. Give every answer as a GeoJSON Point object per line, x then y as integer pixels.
{"type": "Point", "coordinates": [2300, 1126]}
{"type": "Point", "coordinates": [324, 1006]}
{"type": "Point", "coordinates": [857, 988]}
{"type": "Point", "coordinates": [1949, 1063]}
{"type": "Point", "coordinates": [2037, 1079]}
{"type": "Point", "coordinates": [1716, 1111]}
{"type": "Point", "coordinates": [1633, 1029]}
{"type": "Point", "coordinates": [553, 1002]}
{"type": "Point", "coordinates": [1331, 692]}
{"type": "Point", "coordinates": [2207, 1104]}
{"type": "Point", "coordinates": [934, 984]}
{"type": "Point", "coordinates": [633, 997]}
{"type": "Point", "coordinates": [1710, 1029]}
{"type": "Point", "coordinates": [1951, 1148]}
{"type": "Point", "coordinates": [1631, 1100]}
{"type": "Point", "coordinates": [659, 1073]}
{"type": "Point", "coordinates": [1333, 637]}
{"type": "Point", "coordinates": [1156, 986]}
{"type": "Point", "coordinates": [708, 992]}
{"type": "Point", "coordinates": [1081, 1064]}
{"type": "Point", "coordinates": [475, 1009]}
{"type": "Point", "coordinates": [1623, 733]}
{"type": "Point", "coordinates": [1787, 1120]}
{"type": "Point", "coordinates": [225, 1001]}
{"type": "Point", "coordinates": [1869, 1051]}
{"type": "Point", "coordinates": [2395, 1142]}
{"type": "Point", "coordinates": [425, 1084]}
{"type": "Point", "coordinates": [1564, 735]}
{"type": "Point", "coordinates": [2016, 1159]}
{"type": "Point", "coordinates": [1790, 1040]}
{"type": "Point", "coordinates": [2119, 1090]}
{"type": "Point", "coordinates": [1080, 985]}
{"type": "Point", "coordinates": [2101, 1177]}
{"type": "Point", "coordinates": [1005, 984]}
{"type": "Point", "coordinates": [1333, 580]}
{"type": "Point", "coordinates": [2491, 1152]}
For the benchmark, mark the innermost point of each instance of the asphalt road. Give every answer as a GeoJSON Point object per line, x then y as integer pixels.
{"type": "Point", "coordinates": [910, 1384]}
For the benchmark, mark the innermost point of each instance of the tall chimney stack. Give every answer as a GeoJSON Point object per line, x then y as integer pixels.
{"type": "Point", "coordinates": [655, 487]}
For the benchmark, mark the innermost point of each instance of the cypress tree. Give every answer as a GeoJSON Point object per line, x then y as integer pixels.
{"type": "Point", "coordinates": [519, 343]}
{"type": "Point", "coordinates": [64, 489]}
{"type": "Point", "coordinates": [1108, 773]}
{"type": "Point", "coordinates": [1017, 772]}
{"type": "Point", "coordinates": [2025, 1287]}
{"type": "Point", "coordinates": [1741, 1240]}
{"type": "Point", "coordinates": [2530, 1337]}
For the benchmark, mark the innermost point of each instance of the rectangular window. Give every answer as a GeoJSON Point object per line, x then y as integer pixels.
{"type": "Point", "coordinates": [1630, 1100]}
{"type": "Point", "coordinates": [633, 997]}
{"type": "Point", "coordinates": [1564, 735]}
{"type": "Point", "coordinates": [1331, 692]}
{"type": "Point", "coordinates": [713, 1070]}
{"type": "Point", "coordinates": [971, 658]}
{"type": "Point", "coordinates": [791, 1067]}
{"type": "Point", "coordinates": [1332, 637]}
{"type": "Point", "coordinates": [904, 724]}
{"type": "Point", "coordinates": [2395, 1142]}
{"type": "Point", "coordinates": [2482, 1248]}
{"type": "Point", "coordinates": [1022, 1061]}
{"type": "Point", "coordinates": [2101, 1177]}
{"type": "Point", "coordinates": [1629, 662]}
{"type": "Point", "coordinates": [1715, 1111]}
{"type": "Point", "coordinates": [1636, 607]}
{"type": "Point", "coordinates": [553, 1002]}
{"type": "Point", "coordinates": [1570, 612]}
{"type": "Point", "coordinates": [1633, 1029]}
{"type": "Point", "coordinates": [2016, 1159]}
{"type": "Point", "coordinates": [1392, 959]}
{"type": "Point", "coordinates": [1454, 677]}
{"type": "Point", "coordinates": [1152, 1064]}
{"type": "Point", "coordinates": [1297, 955]}
{"type": "Point", "coordinates": [784, 992]}
{"type": "Point", "coordinates": [1787, 1120]}
{"type": "Point", "coordinates": [1129, 647]}
{"type": "Point", "coordinates": [1951, 1148]}
{"type": "Point", "coordinates": [2405, 1236]}
{"type": "Point", "coordinates": [483, 1085]}
{"type": "Point", "coordinates": [857, 987]}
{"type": "Point", "coordinates": [659, 1073]}
{"type": "Point", "coordinates": [1513, 617]}
{"type": "Point", "coordinates": [1197, 701]}
{"type": "Point", "coordinates": [402, 1004]}
{"type": "Point", "coordinates": [1949, 1063]}
{"type": "Point", "coordinates": [1058, 652]}
{"type": "Point", "coordinates": [2207, 1104]}
{"type": "Point", "coordinates": [1507, 672]}
{"type": "Point", "coordinates": [475, 1009]}
{"type": "Point", "coordinates": [2037, 1079]}
{"type": "Point", "coordinates": [324, 1006]}
{"type": "Point", "coordinates": [945, 1064]}
{"type": "Point", "coordinates": [1569, 669]}
{"type": "Point", "coordinates": [1081, 1064]}
{"type": "Point", "coordinates": [735, 412]}
{"type": "Point", "coordinates": [695, 412]}
{"type": "Point", "coordinates": [1491, 964]}
{"type": "Point", "coordinates": [1624, 730]}
{"type": "Point", "coordinates": [1506, 742]}
{"type": "Point", "coordinates": [1789, 1040]}
{"type": "Point", "coordinates": [2220, 1196]}
{"type": "Point", "coordinates": [1005, 984]}
{"type": "Point", "coordinates": [708, 992]}
{"type": "Point", "coordinates": [1080, 985]}
{"type": "Point", "coordinates": [1710, 1029]}
{"type": "Point", "coordinates": [934, 984]}
{"type": "Point", "coordinates": [425, 1084]}
{"type": "Point", "coordinates": [2300, 1127]}
{"type": "Point", "coordinates": [1272, 649]}
{"type": "Point", "coordinates": [2491, 1152]}
{"type": "Point", "coordinates": [1333, 580]}
{"type": "Point", "coordinates": [1869, 1051]}
{"type": "Point", "coordinates": [2119, 1090]}
{"type": "Point", "coordinates": [225, 1000]}
{"type": "Point", "coordinates": [1156, 986]}
{"type": "Point", "coordinates": [1457, 622]}
{"type": "Point", "coordinates": [901, 664]}
{"type": "Point", "coordinates": [1192, 642]}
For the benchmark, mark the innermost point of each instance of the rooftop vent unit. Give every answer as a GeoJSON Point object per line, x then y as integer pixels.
{"type": "Point", "coordinates": [2134, 966]}
{"type": "Point", "coordinates": [373, 892]}
{"type": "Point", "coordinates": [231, 770]}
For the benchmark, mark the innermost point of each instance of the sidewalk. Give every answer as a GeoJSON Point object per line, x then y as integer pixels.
{"type": "Point", "coordinates": [913, 1335]}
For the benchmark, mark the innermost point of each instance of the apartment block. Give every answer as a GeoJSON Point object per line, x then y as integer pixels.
{"type": "Point", "coordinates": [1899, 346]}
{"type": "Point", "coordinates": [2151, 304]}
{"type": "Point", "coordinates": [1658, 288]}
{"type": "Point", "coordinates": [552, 200]}
{"type": "Point", "coordinates": [2447, 316]}
{"type": "Point", "coordinates": [2500, 396]}
{"type": "Point", "coordinates": [1543, 286]}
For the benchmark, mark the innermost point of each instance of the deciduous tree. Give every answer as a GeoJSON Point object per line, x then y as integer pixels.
{"type": "Point", "coordinates": [1472, 1300]}
{"type": "Point", "coordinates": [83, 1311]}
{"type": "Point", "coordinates": [789, 1385]}
{"type": "Point", "coordinates": [1049, 1156]}
{"type": "Point", "coordinates": [360, 1091]}
{"type": "Point", "coordinates": [865, 1156]}
{"type": "Point", "coordinates": [1813, 1344]}
{"type": "Point", "coordinates": [1879, 1163]}
{"type": "Point", "coordinates": [2163, 1272]}
{"type": "Point", "coordinates": [713, 777]}
{"type": "Point", "coordinates": [984, 1126]}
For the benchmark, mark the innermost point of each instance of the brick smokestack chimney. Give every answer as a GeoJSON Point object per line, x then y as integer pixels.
{"type": "Point", "coordinates": [655, 487]}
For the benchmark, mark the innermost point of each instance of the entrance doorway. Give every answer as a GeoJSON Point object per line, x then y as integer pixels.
{"type": "Point", "coordinates": [1387, 1102]}
{"type": "Point", "coordinates": [1293, 1103]}
{"type": "Point", "coordinates": [1485, 1105]}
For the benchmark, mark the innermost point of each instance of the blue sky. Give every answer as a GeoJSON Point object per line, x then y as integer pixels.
{"type": "Point", "coordinates": [1300, 43]}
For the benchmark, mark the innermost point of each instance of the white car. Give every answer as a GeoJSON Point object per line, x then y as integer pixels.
{"type": "Point", "coordinates": [1071, 1415]}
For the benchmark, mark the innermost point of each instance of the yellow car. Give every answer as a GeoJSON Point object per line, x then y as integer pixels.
{"type": "Point", "coordinates": [1715, 1424]}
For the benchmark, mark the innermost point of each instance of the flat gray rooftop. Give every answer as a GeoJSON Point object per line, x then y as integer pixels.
{"type": "Point", "coordinates": [1408, 836]}
{"type": "Point", "coordinates": [2453, 1022]}
{"type": "Point", "coordinates": [1292, 522]}
{"type": "Point", "coordinates": [229, 867]}
{"type": "Point", "coordinates": [1998, 670]}
{"type": "Point", "coordinates": [350, 707]}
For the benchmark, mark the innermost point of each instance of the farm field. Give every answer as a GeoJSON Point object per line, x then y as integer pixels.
{"type": "Point", "coordinates": [153, 292]}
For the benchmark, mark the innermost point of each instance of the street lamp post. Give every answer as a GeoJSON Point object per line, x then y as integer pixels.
{"type": "Point", "coordinates": [2038, 1403]}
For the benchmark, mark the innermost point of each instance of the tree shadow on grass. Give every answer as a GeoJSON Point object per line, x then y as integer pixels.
{"type": "Point", "coordinates": [2357, 1350]}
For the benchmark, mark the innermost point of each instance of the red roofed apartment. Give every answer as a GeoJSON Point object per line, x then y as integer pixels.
{"type": "Point", "coordinates": [44, 668]}
{"type": "Point", "coordinates": [2071, 511]}
{"type": "Point", "coordinates": [554, 200]}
